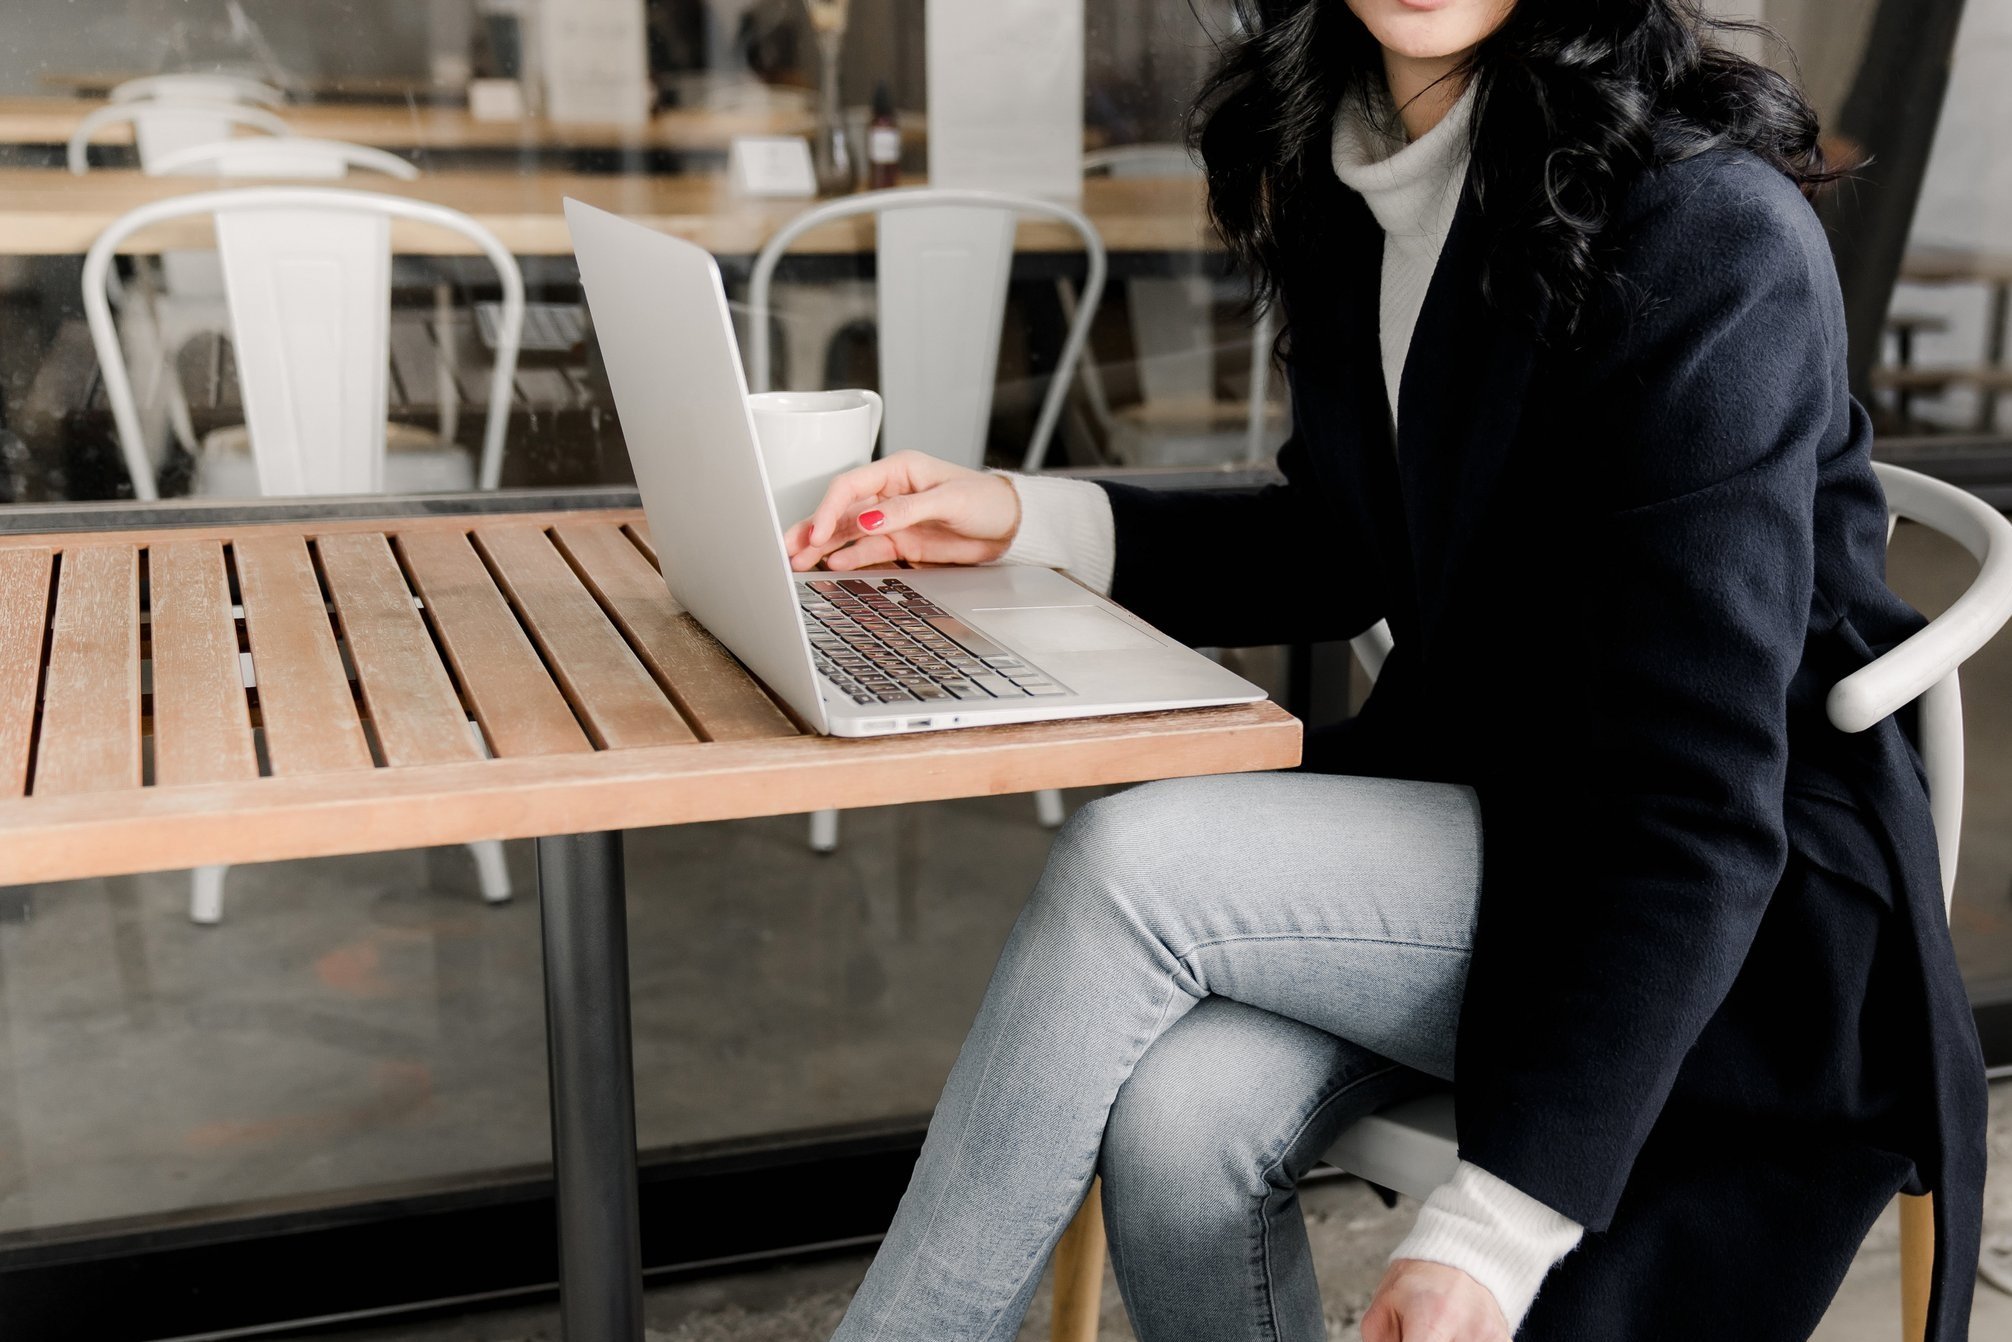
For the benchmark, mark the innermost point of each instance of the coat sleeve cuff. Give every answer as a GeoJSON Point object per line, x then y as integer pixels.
{"type": "Point", "coordinates": [1495, 1233]}
{"type": "Point", "coordinates": [1065, 524]}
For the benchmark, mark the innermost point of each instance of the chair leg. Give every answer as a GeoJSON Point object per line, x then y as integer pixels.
{"type": "Point", "coordinates": [1917, 1264]}
{"type": "Point", "coordinates": [206, 895]}
{"type": "Point", "coordinates": [1079, 1273]}
{"type": "Point", "coordinates": [492, 874]}
{"type": "Point", "coordinates": [1048, 808]}
{"type": "Point", "coordinates": [445, 359]}
{"type": "Point", "coordinates": [179, 419]}
{"type": "Point", "coordinates": [824, 831]}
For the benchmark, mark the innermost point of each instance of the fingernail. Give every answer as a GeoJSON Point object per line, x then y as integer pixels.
{"type": "Point", "coordinates": [870, 521]}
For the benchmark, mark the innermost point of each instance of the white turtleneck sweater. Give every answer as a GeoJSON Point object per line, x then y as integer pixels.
{"type": "Point", "coordinates": [1502, 1237]}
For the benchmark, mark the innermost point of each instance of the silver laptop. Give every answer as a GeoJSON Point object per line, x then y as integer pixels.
{"type": "Point", "coordinates": [855, 654]}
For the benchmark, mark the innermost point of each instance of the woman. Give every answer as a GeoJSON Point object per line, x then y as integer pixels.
{"type": "Point", "coordinates": [1567, 362]}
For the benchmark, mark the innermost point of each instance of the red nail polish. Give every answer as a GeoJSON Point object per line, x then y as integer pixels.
{"type": "Point", "coordinates": [870, 521]}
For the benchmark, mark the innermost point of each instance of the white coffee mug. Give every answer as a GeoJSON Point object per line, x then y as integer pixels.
{"type": "Point", "coordinates": [807, 438]}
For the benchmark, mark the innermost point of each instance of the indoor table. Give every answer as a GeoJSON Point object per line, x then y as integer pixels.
{"type": "Point", "coordinates": [42, 120]}
{"type": "Point", "coordinates": [50, 212]}
{"type": "Point", "coordinates": [285, 681]}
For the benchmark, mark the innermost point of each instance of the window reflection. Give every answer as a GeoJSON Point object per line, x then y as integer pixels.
{"type": "Point", "coordinates": [410, 1016]}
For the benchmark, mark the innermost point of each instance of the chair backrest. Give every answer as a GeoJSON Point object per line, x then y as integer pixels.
{"type": "Point", "coordinates": [291, 156]}
{"type": "Point", "coordinates": [1195, 373]}
{"type": "Point", "coordinates": [221, 88]}
{"type": "Point", "coordinates": [1922, 667]}
{"type": "Point", "coordinates": [307, 276]}
{"type": "Point", "coordinates": [943, 260]}
{"type": "Point", "coordinates": [161, 127]}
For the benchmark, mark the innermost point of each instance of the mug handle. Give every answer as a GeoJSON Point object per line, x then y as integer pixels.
{"type": "Point", "coordinates": [873, 435]}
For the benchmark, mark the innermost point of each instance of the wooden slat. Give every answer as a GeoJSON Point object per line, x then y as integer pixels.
{"type": "Point", "coordinates": [608, 688]}
{"type": "Point", "coordinates": [57, 838]}
{"type": "Point", "coordinates": [412, 703]}
{"type": "Point", "coordinates": [24, 615]}
{"type": "Point", "coordinates": [521, 711]}
{"type": "Point", "coordinates": [312, 528]}
{"type": "Point", "coordinates": [202, 722]}
{"type": "Point", "coordinates": [304, 699]}
{"type": "Point", "coordinates": [639, 531]}
{"type": "Point", "coordinates": [712, 690]}
{"type": "Point", "coordinates": [90, 739]}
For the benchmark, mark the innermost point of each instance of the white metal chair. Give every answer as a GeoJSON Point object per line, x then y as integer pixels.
{"type": "Point", "coordinates": [192, 302]}
{"type": "Point", "coordinates": [290, 156]}
{"type": "Point", "coordinates": [943, 260]}
{"type": "Point", "coordinates": [170, 115]}
{"type": "Point", "coordinates": [202, 87]}
{"type": "Point", "coordinates": [307, 272]}
{"type": "Point", "coordinates": [1173, 336]}
{"type": "Point", "coordinates": [1411, 1146]}
{"type": "Point", "coordinates": [160, 127]}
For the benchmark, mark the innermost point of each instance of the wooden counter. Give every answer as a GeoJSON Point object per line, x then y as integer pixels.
{"type": "Point", "coordinates": [49, 212]}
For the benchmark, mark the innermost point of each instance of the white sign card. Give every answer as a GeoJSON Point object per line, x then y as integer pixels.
{"type": "Point", "coordinates": [1006, 95]}
{"type": "Point", "coordinates": [775, 167]}
{"type": "Point", "coordinates": [596, 57]}
{"type": "Point", "coordinates": [495, 100]}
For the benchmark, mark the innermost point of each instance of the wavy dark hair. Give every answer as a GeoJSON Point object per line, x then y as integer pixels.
{"type": "Point", "coordinates": [1574, 99]}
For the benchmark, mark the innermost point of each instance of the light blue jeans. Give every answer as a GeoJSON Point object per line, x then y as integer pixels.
{"type": "Point", "coordinates": [1212, 979]}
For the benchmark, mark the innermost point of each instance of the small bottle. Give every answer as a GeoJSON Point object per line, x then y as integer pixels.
{"type": "Point", "coordinates": [883, 142]}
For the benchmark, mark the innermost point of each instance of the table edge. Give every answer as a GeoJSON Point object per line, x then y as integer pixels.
{"type": "Point", "coordinates": [276, 819]}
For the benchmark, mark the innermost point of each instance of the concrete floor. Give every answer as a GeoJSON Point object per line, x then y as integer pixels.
{"type": "Point", "coordinates": [353, 1024]}
{"type": "Point", "coordinates": [346, 1026]}
{"type": "Point", "coordinates": [1352, 1234]}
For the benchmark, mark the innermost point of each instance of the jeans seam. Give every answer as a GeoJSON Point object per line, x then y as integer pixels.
{"type": "Point", "coordinates": [1323, 936]}
{"type": "Point", "coordinates": [1264, 1176]}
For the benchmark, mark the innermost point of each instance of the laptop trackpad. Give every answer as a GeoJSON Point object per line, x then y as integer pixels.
{"type": "Point", "coordinates": [1054, 630]}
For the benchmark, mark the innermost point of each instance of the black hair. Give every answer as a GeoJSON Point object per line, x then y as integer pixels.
{"type": "Point", "coordinates": [1573, 100]}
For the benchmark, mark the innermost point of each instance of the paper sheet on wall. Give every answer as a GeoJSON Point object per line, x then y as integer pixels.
{"type": "Point", "coordinates": [1006, 95]}
{"type": "Point", "coordinates": [596, 61]}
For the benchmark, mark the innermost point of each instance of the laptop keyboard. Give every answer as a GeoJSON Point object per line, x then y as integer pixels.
{"type": "Point", "coordinates": [880, 642]}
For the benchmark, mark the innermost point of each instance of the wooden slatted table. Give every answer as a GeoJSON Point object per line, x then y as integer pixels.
{"type": "Point", "coordinates": [260, 690]}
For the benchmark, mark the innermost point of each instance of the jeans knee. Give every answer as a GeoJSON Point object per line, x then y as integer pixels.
{"type": "Point", "coordinates": [1170, 1149]}
{"type": "Point", "coordinates": [1127, 841]}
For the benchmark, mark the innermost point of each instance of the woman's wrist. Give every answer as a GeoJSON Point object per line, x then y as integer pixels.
{"type": "Point", "coordinates": [1495, 1233]}
{"type": "Point", "coordinates": [1065, 524]}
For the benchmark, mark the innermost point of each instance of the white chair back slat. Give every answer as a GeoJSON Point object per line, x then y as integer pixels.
{"type": "Point", "coordinates": [309, 294]}
{"type": "Point", "coordinates": [959, 255]}
{"type": "Point", "coordinates": [1940, 727]}
{"type": "Point", "coordinates": [294, 265]}
{"type": "Point", "coordinates": [942, 300]}
{"type": "Point", "coordinates": [1173, 319]}
{"type": "Point", "coordinates": [1173, 329]}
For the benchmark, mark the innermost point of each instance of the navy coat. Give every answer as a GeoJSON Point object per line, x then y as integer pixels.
{"type": "Point", "coordinates": [1713, 1014]}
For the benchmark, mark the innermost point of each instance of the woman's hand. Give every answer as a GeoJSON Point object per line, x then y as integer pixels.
{"type": "Point", "coordinates": [1431, 1302]}
{"type": "Point", "coordinates": [907, 506]}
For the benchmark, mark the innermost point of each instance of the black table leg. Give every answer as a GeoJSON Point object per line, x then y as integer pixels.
{"type": "Point", "coordinates": [593, 1086]}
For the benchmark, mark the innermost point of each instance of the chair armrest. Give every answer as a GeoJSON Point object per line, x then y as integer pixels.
{"type": "Point", "coordinates": [1905, 673]}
